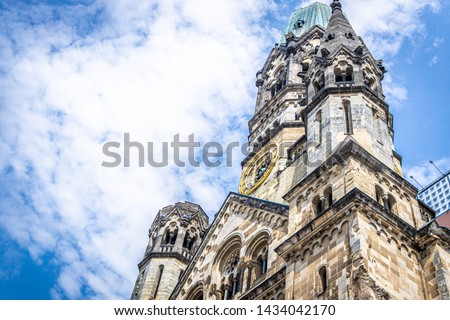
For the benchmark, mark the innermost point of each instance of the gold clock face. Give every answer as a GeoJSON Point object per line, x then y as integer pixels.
{"type": "Point", "coordinates": [258, 169]}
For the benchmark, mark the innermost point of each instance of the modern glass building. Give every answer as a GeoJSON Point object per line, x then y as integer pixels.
{"type": "Point", "coordinates": [437, 194]}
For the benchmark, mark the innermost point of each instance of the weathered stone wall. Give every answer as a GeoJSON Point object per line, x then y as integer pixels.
{"type": "Point", "coordinates": [393, 262]}
{"type": "Point", "coordinates": [169, 278]}
{"type": "Point", "coordinates": [436, 268]}
{"type": "Point", "coordinates": [370, 131]}
{"type": "Point", "coordinates": [332, 251]}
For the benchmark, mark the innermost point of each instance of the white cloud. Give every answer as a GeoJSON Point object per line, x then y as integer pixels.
{"type": "Point", "coordinates": [425, 172]}
{"type": "Point", "coordinates": [396, 93]}
{"type": "Point", "coordinates": [385, 24]}
{"type": "Point", "coordinates": [438, 42]}
{"type": "Point", "coordinates": [433, 61]}
{"type": "Point", "coordinates": [151, 68]}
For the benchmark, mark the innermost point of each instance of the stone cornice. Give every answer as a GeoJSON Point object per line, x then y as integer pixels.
{"type": "Point", "coordinates": [432, 231]}
{"type": "Point", "coordinates": [346, 149]}
{"type": "Point", "coordinates": [265, 205]}
{"type": "Point", "coordinates": [345, 90]}
{"type": "Point", "coordinates": [336, 211]}
{"type": "Point", "coordinates": [164, 255]}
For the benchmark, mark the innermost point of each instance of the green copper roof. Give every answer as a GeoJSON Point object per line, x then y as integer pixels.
{"type": "Point", "coordinates": [304, 19]}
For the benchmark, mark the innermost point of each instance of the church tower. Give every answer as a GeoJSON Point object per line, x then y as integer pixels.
{"type": "Point", "coordinates": [323, 210]}
{"type": "Point", "coordinates": [353, 218]}
{"type": "Point", "coordinates": [174, 236]}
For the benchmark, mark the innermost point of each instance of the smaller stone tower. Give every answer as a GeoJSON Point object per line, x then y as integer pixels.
{"type": "Point", "coordinates": [174, 236]}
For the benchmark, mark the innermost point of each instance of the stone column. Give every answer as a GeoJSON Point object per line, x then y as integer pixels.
{"type": "Point", "coordinates": [241, 279]}
{"type": "Point", "coordinates": [323, 202]}
{"type": "Point", "coordinates": [180, 237]}
{"type": "Point", "coordinates": [385, 201]}
{"type": "Point", "coordinates": [235, 285]}
{"type": "Point", "coordinates": [249, 277]}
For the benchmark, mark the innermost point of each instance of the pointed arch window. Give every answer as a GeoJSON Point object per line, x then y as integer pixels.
{"type": "Point", "coordinates": [197, 293]}
{"type": "Point", "coordinates": [369, 79]}
{"type": "Point", "coordinates": [171, 236]}
{"type": "Point", "coordinates": [348, 121]}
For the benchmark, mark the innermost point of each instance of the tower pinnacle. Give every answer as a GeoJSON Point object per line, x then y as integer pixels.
{"type": "Point", "coordinates": [339, 31]}
{"type": "Point", "coordinates": [336, 5]}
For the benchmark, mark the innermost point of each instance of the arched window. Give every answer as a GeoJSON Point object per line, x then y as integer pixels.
{"type": "Point", "coordinates": [189, 239]}
{"type": "Point", "coordinates": [329, 196]}
{"type": "Point", "coordinates": [227, 269]}
{"type": "Point", "coordinates": [257, 255]}
{"type": "Point", "coordinates": [318, 205]}
{"type": "Point", "coordinates": [369, 79]}
{"type": "Point", "coordinates": [198, 296]}
{"type": "Point", "coordinates": [157, 281]}
{"type": "Point", "coordinates": [196, 293]}
{"type": "Point", "coordinates": [379, 195]}
{"type": "Point", "coordinates": [348, 117]}
{"type": "Point", "coordinates": [261, 263]}
{"type": "Point", "coordinates": [392, 204]}
{"type": "Point", "coordinates": [305, 66]}
{"type": "Point", "coordinates": [343, 73]}
{"type": "Point", "coordinates": [170, 236]}
{"type": "Point", "coordinates": [323, 279]}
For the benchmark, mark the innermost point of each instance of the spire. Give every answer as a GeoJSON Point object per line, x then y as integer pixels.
{"type": "Point", "coordinates": [339, 31]}
{"type": "Point", "coordinates": [336, 5]}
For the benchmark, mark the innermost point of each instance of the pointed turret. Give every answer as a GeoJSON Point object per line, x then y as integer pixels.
{"type": "Point", "coordinates": [174, 236]}
{"type": "Point", "coordinates": [339, 33]}
{"type": "Point", "coordinates": [341, 81]}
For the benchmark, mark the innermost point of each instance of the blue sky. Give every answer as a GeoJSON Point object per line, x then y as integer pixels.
{"type": "Point", "coordinates": [74, 74]}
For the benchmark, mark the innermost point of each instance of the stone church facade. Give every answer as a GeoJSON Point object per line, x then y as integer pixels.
{"type": "Point", "coordinates": [323, 211]}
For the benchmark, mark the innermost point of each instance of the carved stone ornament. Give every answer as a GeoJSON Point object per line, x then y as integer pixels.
{"type": "Point", "coordinates": [364, 287]}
